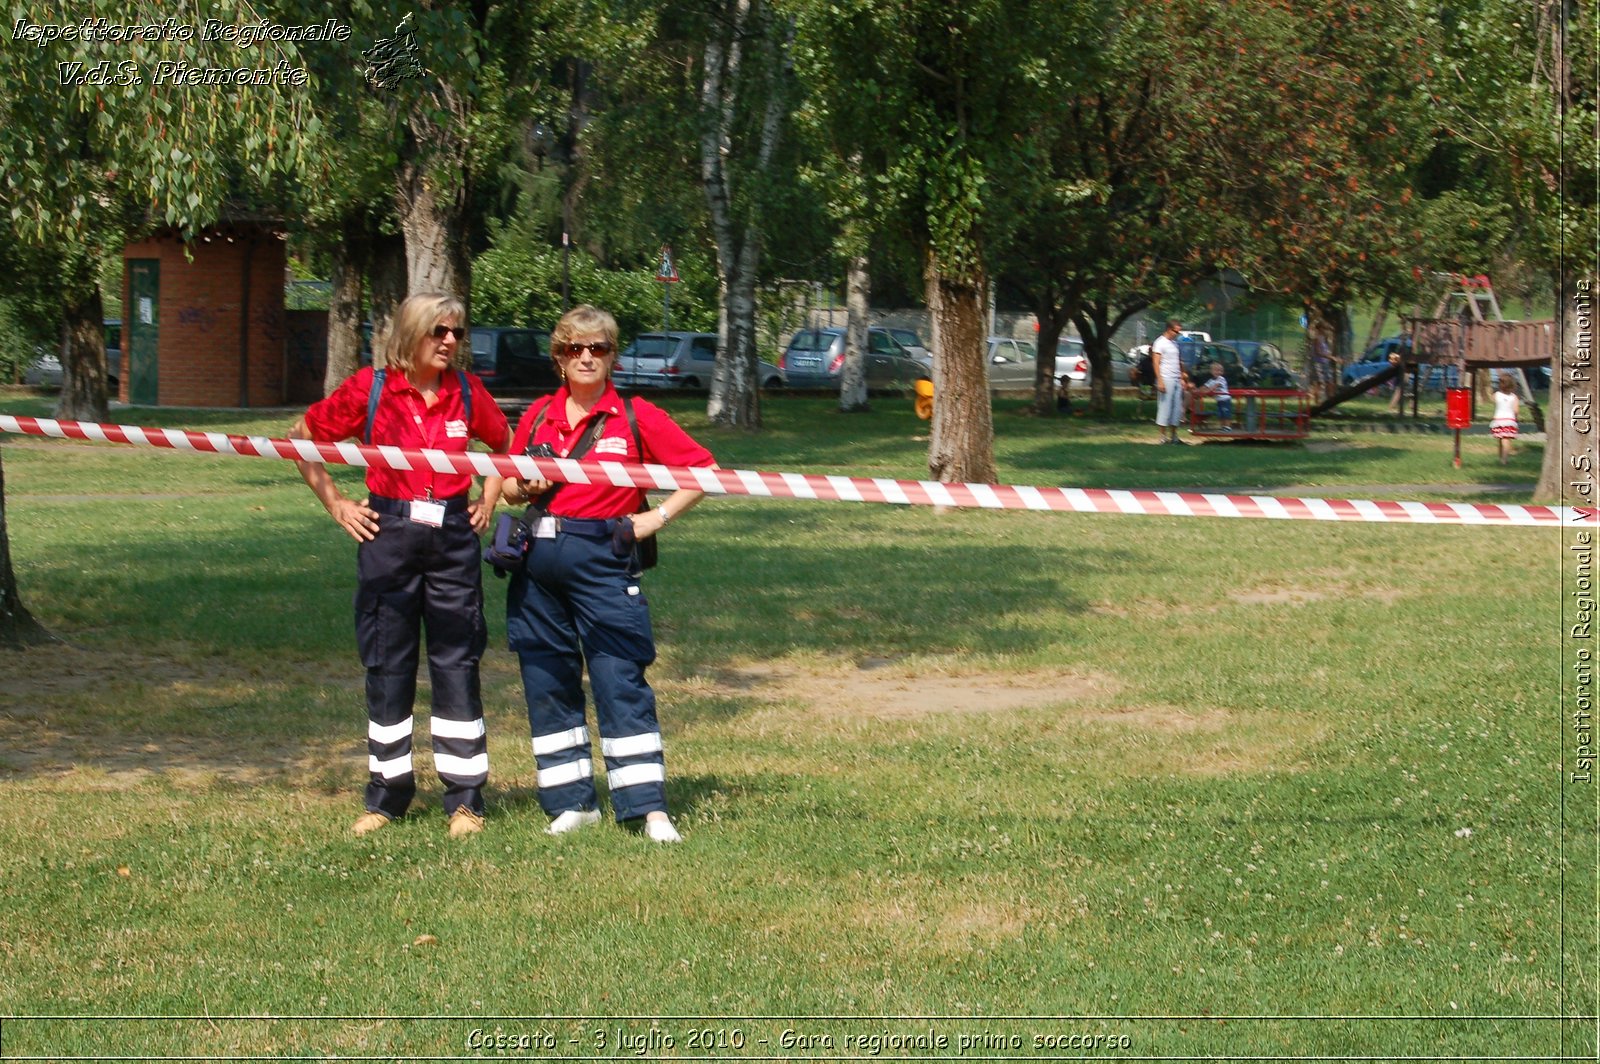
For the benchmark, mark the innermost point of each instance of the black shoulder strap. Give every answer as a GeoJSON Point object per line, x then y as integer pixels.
{"type": "Point", "coordinates": [466, 396]}
{"type": "Point", "coordinates": [534, 431]}
{"type": "Point", "coordinates": [373, 395]}
{"type": "Point", "coordinates": [579, 449]}
{"type": "Point", "coordinates": [638, 444]}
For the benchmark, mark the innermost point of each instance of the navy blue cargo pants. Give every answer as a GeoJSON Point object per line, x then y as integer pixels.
{"type": "Point", "coordinates": [413, 576]}
{"type": "Point", "coordinates": [577, 604]}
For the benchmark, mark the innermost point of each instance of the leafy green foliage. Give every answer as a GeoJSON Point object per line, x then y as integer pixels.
{"type": "Point", "coordinates": [517, 282]}
{"type": "Point", "coordinates": [134, 127]}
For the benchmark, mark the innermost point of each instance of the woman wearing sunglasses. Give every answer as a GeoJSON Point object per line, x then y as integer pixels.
{"type": "Point", "coordinates": [417, 562]}
{"type": "Point", "coordinates": [578, 601]}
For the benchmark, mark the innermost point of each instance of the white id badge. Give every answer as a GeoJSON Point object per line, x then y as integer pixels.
{"type": "Point", "coordinates": [545, 528]}
{"type": "Point", "coordinates": [427, 512]}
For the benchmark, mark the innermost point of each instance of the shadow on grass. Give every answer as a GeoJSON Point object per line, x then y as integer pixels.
{"type": "Point", "coordinates": [219, 638]}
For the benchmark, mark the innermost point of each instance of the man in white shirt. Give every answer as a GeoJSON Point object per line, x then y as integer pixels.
{"type": "Point", "coordinates": [1169, 382]}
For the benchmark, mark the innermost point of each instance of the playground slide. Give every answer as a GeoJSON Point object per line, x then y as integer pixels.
{"type": "Point", "coordinates": [1360, 387]}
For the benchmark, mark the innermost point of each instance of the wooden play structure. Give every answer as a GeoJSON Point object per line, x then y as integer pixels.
{"type": "Point", "coordinates": [1465, 333]}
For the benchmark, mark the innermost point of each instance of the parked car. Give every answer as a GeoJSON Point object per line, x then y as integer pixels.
{"type": "Point", "coordinates": [1254, 353]}
{"type": "Point", "coordinates": [1072, 364]}
{"type": "Point", "coordinates": [1435, 378]}
{"type": "Point", "coordinates": [914, 346]}
{"type": "Point", "coordinates": [1263, 370]}
{"type": "Point", "coordinates": [113, 330]}
{"type": "Point", "coordinates": [45, 370]}
{"type": "Point", "coordinates": [678, 360]}
{"type": "Point", "coordinates": [1374, 360]}
{"type": "Point", "coordinates": [1198, 357]}
{"type": "Point", "coordinates": [1012, 363]}
{"type": "Point", "coordinates": [815, 358]}
{"type": "Point", "coordinates": [509, 357]}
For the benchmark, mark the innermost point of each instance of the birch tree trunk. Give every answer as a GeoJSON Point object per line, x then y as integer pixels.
{"type": "Point", "coordinates": [853, 375]}
{"type": "Point", "coordinates": [961, 447]}
{"type": "Point", "coordinates": [725, 88]}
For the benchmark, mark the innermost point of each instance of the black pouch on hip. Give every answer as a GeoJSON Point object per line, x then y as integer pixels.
{"type": "Point", "coordinates": [507, 551]}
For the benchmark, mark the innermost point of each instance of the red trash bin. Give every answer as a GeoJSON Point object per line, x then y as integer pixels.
{"type": "Point", "coordinates": [1458, 408]}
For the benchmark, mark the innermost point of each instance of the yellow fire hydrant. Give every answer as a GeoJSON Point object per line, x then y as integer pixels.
{"type": "Point", "coordinates": [923, 403]}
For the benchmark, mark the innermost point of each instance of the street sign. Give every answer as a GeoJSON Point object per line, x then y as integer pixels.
{"type": "Point", "coordinates": [666, 272]}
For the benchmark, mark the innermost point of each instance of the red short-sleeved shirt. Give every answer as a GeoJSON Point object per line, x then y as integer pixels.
{"type": "Point", "coordinates": [403, 419]}
{"type": "Point", "coordinates": [664, 444]}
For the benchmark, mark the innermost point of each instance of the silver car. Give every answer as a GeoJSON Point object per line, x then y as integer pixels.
{"type": "Point", "coordinates": [1072, 365]}
{"type": "Point", "coordinates": [679, 360]}
{"type": "Point", "coordinates": [1013, 364]}
{"type": "Point", "coordinates": [815, 359]}
{"type": "Point", "coordinates": [45, 370]}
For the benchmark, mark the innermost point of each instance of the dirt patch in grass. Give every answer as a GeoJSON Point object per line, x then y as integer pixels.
{"type": "Point", "coordinates": [1277, 596]}
{"type": "Point", "coordinates": [61, 714]}
{"type": "Point", "coordinates": [884, 689]}
{"type": "Point", "coordinates": [108, 720]}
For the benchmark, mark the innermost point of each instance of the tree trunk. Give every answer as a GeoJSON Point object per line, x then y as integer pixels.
{"type": "Point", "coordinates": [853, 376]}
{"type": "Point", "coordinates": [1095, 326]}
{"type": "Point", "coordinates": [1052, 323]}
{"type": "Point", "coordinates": [432, 197]}
{"type": "Point", "coordinates": [344, 311]}
{"type": "Point", "coordinates": [737, 226]}
{"type": "Point", "coordinates": [434, 224]}
{"type": "Point", "coordinates": [1568, 475]}
{"type": "Point", "coordinates": [386, 281]}
{"type": "Point", "coordinates": [735, 399]}
{"type": "Point", "coordinates": [83, 352]}
{"type": "Point", "coordinates": [961, 447]}
{"type": "Point", "coordinates": [17, 626]}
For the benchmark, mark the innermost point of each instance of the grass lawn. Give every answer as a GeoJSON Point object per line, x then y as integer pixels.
{"type": "Point", "coordinates": [1034, 784]}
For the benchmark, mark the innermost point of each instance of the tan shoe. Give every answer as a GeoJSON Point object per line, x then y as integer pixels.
{"type": "Point", "coordinates": [368, 822]}
{"type": "Point", "coordinates": [465, 822]}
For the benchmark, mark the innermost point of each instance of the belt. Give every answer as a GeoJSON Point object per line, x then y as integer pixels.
{"type": "Point", "coordinates": [402, 507]}
{"type": "Point", "coordinates": [594, 527]}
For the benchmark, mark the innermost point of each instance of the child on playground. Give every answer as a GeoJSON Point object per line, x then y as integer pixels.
{"type": "Point", "coordinates": [1217, 388]}
{"type": "Point", "coordinates": [1506, 406]}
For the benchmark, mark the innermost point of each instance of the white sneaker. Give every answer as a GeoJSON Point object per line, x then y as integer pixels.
{"type": "Point", "coordinates": [572, 820]}
{"type": "Point", "coordinates": [661, 831]}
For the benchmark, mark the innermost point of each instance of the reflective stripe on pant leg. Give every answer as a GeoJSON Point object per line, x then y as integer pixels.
{"type": "Point", "coordinates": [613, 621]}
{"type": "Point", "coordinates": [460, 741]}
{"type": "Point", "coordinates": [453, 618]}
{"type": "Point", "coordinates": [636, 770]}
{"type": "Point", "coordinates": [541, 632]}
{"type": "Point", "coordinates": [387, 609]}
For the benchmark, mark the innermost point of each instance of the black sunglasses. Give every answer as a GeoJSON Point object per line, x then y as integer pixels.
{"type": "Point", "coordinates": [601, 349]}
{"type": "Point", "coordinates": [441, 331]}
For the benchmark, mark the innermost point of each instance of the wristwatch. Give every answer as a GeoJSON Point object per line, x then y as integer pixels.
{"type": "Point", "coordinates": [665, 517]}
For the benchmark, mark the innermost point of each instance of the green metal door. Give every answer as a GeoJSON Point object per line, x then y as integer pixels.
{"type": "Point", "coordinates": [141, 327]}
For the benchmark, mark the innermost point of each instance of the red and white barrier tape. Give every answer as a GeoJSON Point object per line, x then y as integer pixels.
{"type": "Point", "coordinates": [807, 486]}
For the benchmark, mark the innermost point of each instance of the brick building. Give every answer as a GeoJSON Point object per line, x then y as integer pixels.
{"type": "Point", "coordinates": [207, 330]}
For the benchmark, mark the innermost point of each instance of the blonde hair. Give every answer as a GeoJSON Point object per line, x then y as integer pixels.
{"type": "Point", "coordinates": [581, 320]}
{"type": "Point", "coordinates": [415, 320]}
